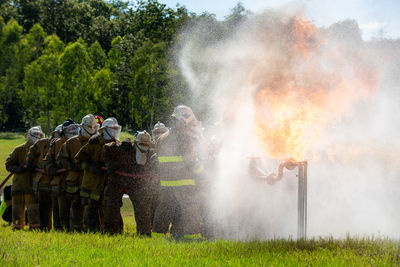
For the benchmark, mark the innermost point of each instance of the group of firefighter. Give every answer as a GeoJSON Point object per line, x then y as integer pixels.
{"type": "Point", "coordinates": [74, 180]}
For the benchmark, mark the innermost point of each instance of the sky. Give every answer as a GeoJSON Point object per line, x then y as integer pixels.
{"type": "Point", "coordinates": [376, 18]}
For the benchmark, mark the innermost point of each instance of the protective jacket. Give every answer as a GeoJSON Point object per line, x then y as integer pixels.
{"type": "Point", "coordinates": [178, 168]}
{"type": "Point", "coordinates": [90, 158]}
{"type": "Point", "coordinates": [65, 159]}
{"type": "Point", "coordinates": [35, 160]}
{"type": "Point", "coordinates": [56, 180]}
{"type": "Point", "coordinates": [22, 180]}
{"type": "Point", "coordinates": [127, 177]}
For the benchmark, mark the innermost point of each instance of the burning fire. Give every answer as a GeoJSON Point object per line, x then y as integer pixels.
{"type": "Point", "coordinates": [315, 86]}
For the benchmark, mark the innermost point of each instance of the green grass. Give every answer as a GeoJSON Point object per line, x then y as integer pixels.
{"type": "Point", "coordinates": [8, 141]}
{"type": "Point", "coordinates": [28, 248]}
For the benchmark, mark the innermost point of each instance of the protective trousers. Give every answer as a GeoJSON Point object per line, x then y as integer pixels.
{"type": "Point", "coordinates": [95, 215]}
{"type": "Point", "coordinates": [77, 212]}
{"type": "Point", "coordinates": [56, 214]}
{"type": "Point", "coordinates": [19, 203]}
{"type": "Point", "coordinates": [179, 207]}
{"type": "Point", "coordinates": [64, 207]}
{"type": "Point", "coordinates": [141, 200]}
{"type": "Point", "coordinates": [45, 209]}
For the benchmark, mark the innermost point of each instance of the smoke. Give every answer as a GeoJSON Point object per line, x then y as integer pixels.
{"type": "Point", "coordinates": [275, 86]}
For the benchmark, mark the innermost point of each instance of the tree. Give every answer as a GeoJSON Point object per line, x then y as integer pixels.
{"type": "Point", "coordinates": [13, 53]}
{"type": "Point", "coordinates": [76, 70]}
{"type": "Point", "coordinates": [97, 55]}
{"type": "Point", "coordinates": [101, 91]}
{"type": "Point", "coordinates": [42, 87]}
{"type": "Point", "coordinates": [154, 94]}
{"type": "Point", "coordinates": [238, 14]}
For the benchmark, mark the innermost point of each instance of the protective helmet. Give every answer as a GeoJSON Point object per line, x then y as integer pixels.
{"type": "Point", "coordinates": [158, 130]}
{"type": "Point", "coordinates": [185, 121]}
{"type": "Point", "coordinates": [70, 128]}
{"type": "Point", "coordinates": [110, 129]}
{"type": "Point", "coordinates": [142, 141]}
{"type": "Point", "coordinates": [35, 133]}
{"type": "Point", "coordinates": [57, 131]}
{"type": "Point", "coordinates": [99, 120]}
{"type": "Point", "coordinates": [89, 125]}
{"type": "Point", "coordinates": [184, 113]}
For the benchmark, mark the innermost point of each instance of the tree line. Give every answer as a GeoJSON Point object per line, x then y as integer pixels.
{"type": "Point", "coordinates": [64, 59]}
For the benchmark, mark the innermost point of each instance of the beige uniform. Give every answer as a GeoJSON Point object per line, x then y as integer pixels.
{"type": "Point", "coordinates": [22, 190]}
{"type": "Point", "coordinates": [65, 159]}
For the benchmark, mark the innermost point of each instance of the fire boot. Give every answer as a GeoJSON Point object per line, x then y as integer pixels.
{"type": "Point", "coordinates": [92, 213]}
{"type": "Point", "coordinates": [56, 215]}
{"type": "Point", "coordinates": [77, 210]}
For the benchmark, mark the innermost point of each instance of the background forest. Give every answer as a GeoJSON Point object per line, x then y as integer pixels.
{"type": "Point", "coordinates": [64, 59]}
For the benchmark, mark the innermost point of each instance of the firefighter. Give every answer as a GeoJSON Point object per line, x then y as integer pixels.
{"type": "Point", "coordinates": [22, 190]}
{"type": "Point", "coordinates": [90, 159]}
{"type": "Point", "coordinates": [158, 130]}
{"type": "Point", "coordinates": [130, 168]}
{"type": "Point", "coordinates": [41, 180]}
{"type": "Point", "coordinates": [58, 185]}
{"type": "Point", "coordinates": [54, 198]}
{"type": "Point", "coordinates": [99, 120]}
{"type": "Point", "coordinates": [65, 159]}
{"type": "Point", "coordinates": [178, 168]}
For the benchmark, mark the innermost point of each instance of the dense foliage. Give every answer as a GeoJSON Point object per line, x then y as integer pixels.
{"type": "Point", "coordinates": [64, 59]}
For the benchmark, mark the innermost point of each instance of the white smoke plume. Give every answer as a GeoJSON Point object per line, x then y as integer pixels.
{"type": "Point", "coordinates": [275, 87]}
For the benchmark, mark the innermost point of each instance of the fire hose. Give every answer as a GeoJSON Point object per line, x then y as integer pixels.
{"type": "Point", "coordinates": [60, 171]}
{"type": "Point", "coordinates": [104, 169]}
{"type": "Point", "coordinates": [290, 164]}
{"type": "Point", "coordinates": [5, 180]}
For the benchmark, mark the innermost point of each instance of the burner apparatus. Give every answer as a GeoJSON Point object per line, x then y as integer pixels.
{"type": "Point", "coordinates": [271, 179]}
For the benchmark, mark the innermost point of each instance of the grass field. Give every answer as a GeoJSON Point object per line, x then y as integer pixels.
{"type": "Point", "coordinates": [30, 248]}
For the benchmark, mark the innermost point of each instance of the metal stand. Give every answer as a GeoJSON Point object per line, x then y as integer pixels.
{"type": "Point", "coordinates": [302, 200]}
{"type": "Point", "coordinates": [271, 179]}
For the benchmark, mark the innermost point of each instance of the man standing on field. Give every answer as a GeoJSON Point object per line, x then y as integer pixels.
{"type": "Point", "coordinates": [65, 159]}
{"type": "Point", "coordinates": [41, 180]}
{"type": "Point", "coordinates": [57, 179]}
{"type": "Point", "coordinates": [22, 189]}
{"type": "Point", "coordinates": [130, 169]}
{"type": "Point", "coordinates": [179, 167]}
{"type": "Point", "coordinates": [90, 159]}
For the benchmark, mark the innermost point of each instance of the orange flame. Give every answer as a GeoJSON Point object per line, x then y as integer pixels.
{"type": "Point", "coordinates": [297, 101]}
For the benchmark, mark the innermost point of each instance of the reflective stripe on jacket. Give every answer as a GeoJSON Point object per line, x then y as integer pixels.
{"type": "Point", "coordinates": [178, 162]}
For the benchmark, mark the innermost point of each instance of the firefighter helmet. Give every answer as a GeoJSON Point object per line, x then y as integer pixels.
{"type": "Point", "coordinates": [142, 140]}
{"type": "Point", "coordinates": [110, 128]}
{"type": "Point", "coordinates": [158, 130]}
{"type": "Point", "coordinates": [184, 113]}
{"type": "Point", "coordinates": [99, 120]}
{"type": "Point", "coordinates": [89, 125]}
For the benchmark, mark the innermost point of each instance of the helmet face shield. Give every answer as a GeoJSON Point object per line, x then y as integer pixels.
{"type": "Point", "coordinates": [91, 128]}
{"type": "Point", "coordinates": [142, 141]}
{"type": "Point", "coordinates": [34, 134]}
{"type": "Point", "coordinates": [89, 125]}
{"type": "Point", "coordinates": [112, 132]}
{"type": "Point", "coordinates": [144, 146]}
{"type": "Point", "coordinates": [110, 129]}
{"type": "Point", "coordinates": [184, 114]}
{"type": "Point", "coordinates": [71, 130]}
